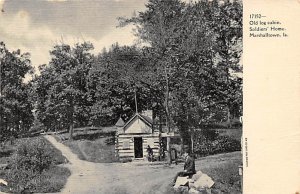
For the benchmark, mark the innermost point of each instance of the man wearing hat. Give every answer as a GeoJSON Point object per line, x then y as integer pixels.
{"type": "Point", "coordinates": [189, 166]}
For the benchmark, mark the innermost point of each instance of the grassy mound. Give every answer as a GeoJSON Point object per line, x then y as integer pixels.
{"type": "Point", "coordinates": [99, 150]}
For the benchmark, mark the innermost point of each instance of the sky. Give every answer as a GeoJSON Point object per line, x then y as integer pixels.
{"type": "Point", "coordinates": [35, 26]}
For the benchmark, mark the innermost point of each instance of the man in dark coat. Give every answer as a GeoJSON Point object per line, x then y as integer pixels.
{"type": "Point", "coordinates": [189, 167]}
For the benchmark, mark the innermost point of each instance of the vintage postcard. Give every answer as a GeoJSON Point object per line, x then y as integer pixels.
{"type": "Point", "coordinates": [271, 96]}
{"type": "Point", "coordinates": [150, 96]}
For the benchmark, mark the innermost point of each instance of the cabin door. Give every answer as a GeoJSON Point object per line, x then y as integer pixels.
{"type": "Point", "coordinates": [138, 147]}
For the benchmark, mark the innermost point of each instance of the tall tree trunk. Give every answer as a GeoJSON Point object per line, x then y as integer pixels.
{"type": "Point", "coordinates": [182, 143]}
{"type": "Point", "coordinates": [160, 124]}
{"type": "Point", "coordinates": [168, 116]}
{"type": "Point", "coordinates": [71, 130]}
{"type": "Point", "coordinates": [192, 141]}
{"type": "Point", "coordinates": [163, 47]}
{"type": "Point", "coordinates": [228, 116]}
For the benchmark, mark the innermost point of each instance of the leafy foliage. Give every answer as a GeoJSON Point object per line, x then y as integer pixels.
{"type": "Point", "coordinates": [195, 51]}
{"type": "Point", "coordinates": [62, 93]}
{"type": "Point", "coordinates": [27, 167]}
{"type": "Point", "coordinates": [208, 142]}
{"type": "Point", "coordinates": [114, 79]}
{"type": "Point", "coordinates": [15, 106]}
{"type": "Point", "coordinates": [186, 70]}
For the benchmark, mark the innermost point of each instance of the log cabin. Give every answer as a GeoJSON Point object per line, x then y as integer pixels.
{"type": "Point", "coordinates": [133, 137]}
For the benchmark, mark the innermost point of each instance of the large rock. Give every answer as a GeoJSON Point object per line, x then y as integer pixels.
{"type": "Point", "coordinates": [191, 183]}
{"type": "Point", "coordinates": [203, 182]}
{"type": "Point", "coordinates": [3, 182]}
{"type": "Point", "coordinates": [181, 181]}
{"type": "Point", "coordinates": [197, 175]}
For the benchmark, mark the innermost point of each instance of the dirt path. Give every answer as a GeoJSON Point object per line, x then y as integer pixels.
{"type": "Point", "coordinates": [113, 178]}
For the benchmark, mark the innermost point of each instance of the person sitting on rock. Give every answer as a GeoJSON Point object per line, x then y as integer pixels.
{"type": "Point", "coordinates": [189, 166]}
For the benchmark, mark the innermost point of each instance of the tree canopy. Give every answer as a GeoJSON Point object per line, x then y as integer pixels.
{"type": "Point", "coordinates": [195, 49]}
{"type": "Point", "coordinates": [15, 106]}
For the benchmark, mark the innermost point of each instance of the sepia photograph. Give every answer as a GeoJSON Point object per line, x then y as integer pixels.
{"type": "Point", "coordinates": [121, 96]}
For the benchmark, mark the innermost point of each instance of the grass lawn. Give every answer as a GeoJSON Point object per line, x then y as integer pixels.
{"type": "Point", "coordinates": [95, 145]}
{"type": "Point", "coordinates": [93, 151]}
{"type": "Point", "coordinates": [223, 169]}
{"type": "Point", "coordinates": [50, 180]}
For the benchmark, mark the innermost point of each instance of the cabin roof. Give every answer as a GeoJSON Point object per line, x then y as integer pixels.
{"type": "Point", "coordinates": [148, 119]}
{"type": "Point", "coordinates": [120, 123]}
{"type": "Point", "coordinates": [144, 118]}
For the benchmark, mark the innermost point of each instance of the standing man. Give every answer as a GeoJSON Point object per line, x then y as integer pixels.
{"type": "Point", "coordinates": [189, 166]}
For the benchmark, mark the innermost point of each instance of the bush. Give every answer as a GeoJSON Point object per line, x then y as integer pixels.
{"type": "Point", "coordinates": [28, 164]}
{"type": "Point", "coordinates": [209, 134]}
{"type": "Point", "coordinates": [208, 142]}
{"type": "Point", "coordinates": [226, 144]}
{"type": "Point", "coordinates": [52, 180]}
{"type": "Point", "coordinates": [110, 141]}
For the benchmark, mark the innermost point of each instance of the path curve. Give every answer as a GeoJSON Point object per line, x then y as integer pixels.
{"type": "Point", "coordinates": [113, 178]}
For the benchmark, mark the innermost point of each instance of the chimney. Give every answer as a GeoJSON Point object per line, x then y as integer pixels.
{"type": "Point", "coordinates": [148, 113]}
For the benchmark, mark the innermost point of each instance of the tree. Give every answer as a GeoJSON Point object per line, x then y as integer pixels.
{"type": "Point", "coordinates": [63, 98]}
{"type": "Point", "coordinates": [227, 24]}
{"type": "Point", "coordinates": [15, 107]}
{"type": "Point", "coordinates": [157, 26]}
{"type": "Point", "coordinates": [114, 79]}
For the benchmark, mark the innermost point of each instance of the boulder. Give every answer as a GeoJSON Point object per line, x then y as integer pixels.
{"type": "Point", "coordinates": [191, 184]}
{"type": "Point", "coordinates": [204, 182]}
{"type": "Point", "coordinates": [181, 181]}
{"type": "Point", "coordinates": [197, 175]}
{"type": "Point", "coordinates": [3, 182]}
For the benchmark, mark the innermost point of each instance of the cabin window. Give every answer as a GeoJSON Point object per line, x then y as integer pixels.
{"type": "Point", "coordinates": [126, 144]}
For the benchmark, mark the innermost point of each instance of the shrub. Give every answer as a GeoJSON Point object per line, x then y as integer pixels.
{"type": "Point", "coordinates": [209, 134]}
{"type": "Point", "coordinates": [110, 141]}
{"type": "Point", "coordinates": [55, 154]}
{"type": "Point", "coordinates": [226, 144]}
{"type": "Point", "coordinates": [208, 142]}
{"type": "Point", "coordinates": [52, 180]}
{"type": "Point", "coordinates": [30, 160]}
